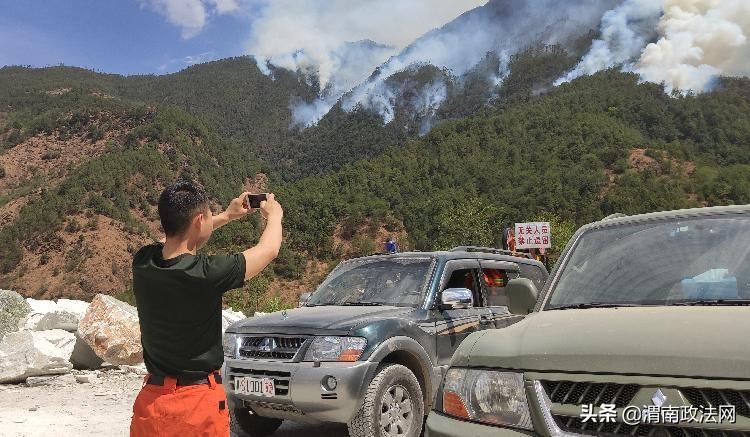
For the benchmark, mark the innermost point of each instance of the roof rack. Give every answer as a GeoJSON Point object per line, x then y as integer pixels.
{"type": "Point", "coordinates": [614, 216]}
{"type": "Point", "coordinates": [490, 250]}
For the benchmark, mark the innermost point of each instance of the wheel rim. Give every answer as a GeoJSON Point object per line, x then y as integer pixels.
{"type": "Point", "coordinates": [395, 412]}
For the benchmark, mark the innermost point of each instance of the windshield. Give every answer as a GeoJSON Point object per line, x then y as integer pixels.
{"type": "Point", "coordinates": [391, 281]}
{"type": "Point", "coordinates": [660, 263]}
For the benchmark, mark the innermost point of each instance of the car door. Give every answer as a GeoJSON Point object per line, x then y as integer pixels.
{"type": "Point", "coordinates": [456, 323]}
{"type": "Point", "coordinates": [495, 276]}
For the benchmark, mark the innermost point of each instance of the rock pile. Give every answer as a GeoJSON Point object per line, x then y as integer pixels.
{"type": "Point", "coordinates": [39, 338]}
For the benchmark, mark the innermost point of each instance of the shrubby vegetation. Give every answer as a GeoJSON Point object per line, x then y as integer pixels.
{"type": "Point", "coordinates": [553, 153]}
{"type": "Point", "coordinates": [167, 144]}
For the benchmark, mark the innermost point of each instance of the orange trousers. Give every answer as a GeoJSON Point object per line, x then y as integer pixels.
{"type": "Point", "coordinates": [181, 411]}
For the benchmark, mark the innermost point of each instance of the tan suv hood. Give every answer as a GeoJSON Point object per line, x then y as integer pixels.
{"type": "Point", "coordinates": [707, 342]}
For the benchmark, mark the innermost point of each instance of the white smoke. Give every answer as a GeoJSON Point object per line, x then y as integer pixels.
{"type": "Point", "coordinates": [699, 40]}
{"type": "Point", "coordinates": [502, 26]}
{"type": "Point", "coordinates": [625, 31]}
{"type": "Point", "coordinates": [684, 44]}
{"type": "Point", "coordinates": [333, 39]}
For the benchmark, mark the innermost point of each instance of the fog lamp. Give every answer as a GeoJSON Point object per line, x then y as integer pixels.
{"type": "Point", "coordinates": [330, 383]}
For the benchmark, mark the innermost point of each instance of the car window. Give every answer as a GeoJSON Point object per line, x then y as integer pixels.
{"type": "Point", "coordinates": [465, 278]}
{"type": "Point", "coordinates": [658, 263]}
{"type": "Point", "coordinates": [495, 281]}
{"type": "Point", "coordinates": [391, 281]}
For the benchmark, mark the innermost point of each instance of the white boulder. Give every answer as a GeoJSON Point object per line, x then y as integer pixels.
{"type": "Point", "coordinates": [111, 328]}
{"type": "Point", "coordinates": [46, 314]}
{"type": "Point", "coordinates": [41, 306]}
{"type": "Point", "coordinates": [229, 316]}
{"type": "Point", "coordinates": [76, 307]}
{"type": "Point", "coordinates": [35, 353]}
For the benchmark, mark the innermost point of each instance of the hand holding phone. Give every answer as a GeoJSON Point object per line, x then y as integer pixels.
{"type": "Point", "coordinates": [253, 200]}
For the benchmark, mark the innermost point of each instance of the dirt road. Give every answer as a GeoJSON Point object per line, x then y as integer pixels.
{"type": "Point", "coordinates": [64, 407]}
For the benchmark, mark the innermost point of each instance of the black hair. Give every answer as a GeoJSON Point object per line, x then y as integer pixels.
{"type": "Point", "coordinates": [179, 203]}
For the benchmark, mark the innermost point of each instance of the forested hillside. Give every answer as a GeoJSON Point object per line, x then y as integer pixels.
{"type": "Point", "coordinates": [231, 96]}
{"type": "Point", "coordinates": [83, 157]}
{"type": "Point", "coordinates": [239, 103]}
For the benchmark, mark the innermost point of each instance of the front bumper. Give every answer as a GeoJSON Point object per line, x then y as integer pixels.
{"type": "Point", "coordinates": [300, 395]}
{"type": "Point", "coordinates": [439, 425]}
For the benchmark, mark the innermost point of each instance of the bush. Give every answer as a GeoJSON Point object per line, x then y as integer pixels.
{"type": "Point", "coordinates": [13, 138]}
{"type": "Point", "coordinates": [72, 226]}
{"type": "Point", "coordinates": [363, 246]}
{"type": "Point", "coordinates": [275, 304]}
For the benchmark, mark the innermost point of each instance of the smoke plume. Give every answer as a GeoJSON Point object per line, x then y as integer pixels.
{"type": "Point", "coordinates": [340, 42]}
{"type": "Point", "coordinates": [684, 44]}
{"type": "Point", "coordinates": [625, 31]}
{"type": "Point", "coordinates": [340, 45]}
{"type": "Point", "coordinates": [352, 48]}
{"type": "Point", "coordinates": [699, 40]}
{"type": "Point", "coordinates": [501, 26]}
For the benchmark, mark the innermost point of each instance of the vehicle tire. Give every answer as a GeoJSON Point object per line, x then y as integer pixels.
{"type": "Point", "coordinates": [244, 424]}
{"type": "Point", "coordinates": [393, 405]}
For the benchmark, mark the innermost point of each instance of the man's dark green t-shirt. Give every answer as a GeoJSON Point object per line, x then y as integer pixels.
{"type": "Point", "coordinates": [179, 307]}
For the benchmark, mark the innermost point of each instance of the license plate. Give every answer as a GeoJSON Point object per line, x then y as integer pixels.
{"type": "Point", "coordinates": [254, 386]}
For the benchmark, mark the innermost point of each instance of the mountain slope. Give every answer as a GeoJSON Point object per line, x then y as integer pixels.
{"type": "Point", "coordinates": [82, 167]}
{"type": "Point", "coordinates": [79, 186]}
{"type": "Point", "coordinates": [598, 145]}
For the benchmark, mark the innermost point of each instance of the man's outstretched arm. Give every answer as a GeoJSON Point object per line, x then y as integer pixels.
{"type": "Point", "coordinates": [267, 249]}
{"type": "Point", "coordinates": [237, 209]}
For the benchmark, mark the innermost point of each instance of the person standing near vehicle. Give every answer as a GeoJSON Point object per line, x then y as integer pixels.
{"type": "Point", "coordinates": [391, 246]}
{"type": "Point", "coordinates": [178, 294]}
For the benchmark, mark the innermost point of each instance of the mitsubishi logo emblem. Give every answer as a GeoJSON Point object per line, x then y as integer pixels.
{"type": "Point", "coordinates": [659, 398]}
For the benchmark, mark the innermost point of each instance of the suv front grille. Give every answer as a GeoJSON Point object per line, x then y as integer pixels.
{"type": "Point", "coordinates": [272, 347]}
{"type": "Point", "coordinates": [583, 393]}
{"type": "Point", "coordinates": [709, 397]}
{"type": "Point", "coordinates": [621, 395]}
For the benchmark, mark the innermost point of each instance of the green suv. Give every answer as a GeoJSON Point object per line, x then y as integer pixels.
{"type": "Point", "coordinates": [643, 329]}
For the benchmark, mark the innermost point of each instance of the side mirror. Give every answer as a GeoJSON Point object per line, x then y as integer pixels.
{"type": "Point", "coordinates": [303, 298]}
{"type": "Point", "coordinates": [522, 295]}
{"type": "Point", "coordinates": [456, 298]}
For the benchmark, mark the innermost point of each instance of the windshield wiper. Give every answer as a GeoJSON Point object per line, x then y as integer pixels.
{"type": "Point", "coordinates": [709, 302]}
{"type": "Point", "coordinates": [368, 304]}
{"type": "Point", "coordinates": [583, 306]}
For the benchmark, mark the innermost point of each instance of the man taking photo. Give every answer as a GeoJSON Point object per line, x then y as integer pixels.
{"type": "Point", "coordinates": [179, 298]}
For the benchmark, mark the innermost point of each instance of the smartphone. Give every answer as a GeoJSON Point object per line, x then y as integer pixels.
{"type": "Point", "coordinates": [253, 200]}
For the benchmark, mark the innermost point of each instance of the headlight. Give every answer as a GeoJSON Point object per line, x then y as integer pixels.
{"type": "Point", "coordinates": [496, 398]}
{"type": "Point", "coordinates": [231, 345]}
{"type": "Point", "coordinates": [336, 349]}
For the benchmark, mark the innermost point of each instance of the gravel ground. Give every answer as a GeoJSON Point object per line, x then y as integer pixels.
{"type": "Point", "coordinates": [63, 407]}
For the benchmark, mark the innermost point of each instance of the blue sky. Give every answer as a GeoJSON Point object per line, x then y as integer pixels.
{"type": "Point", "coordinates": [115, 36]}
{"type": "Point", "coordinates": [163, 36]}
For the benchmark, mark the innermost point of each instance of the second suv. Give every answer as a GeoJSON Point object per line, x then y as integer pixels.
{"type": "Point", "coordinates": [370, 346]}
{"type": "Point", "coordinates": [642, 330]}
